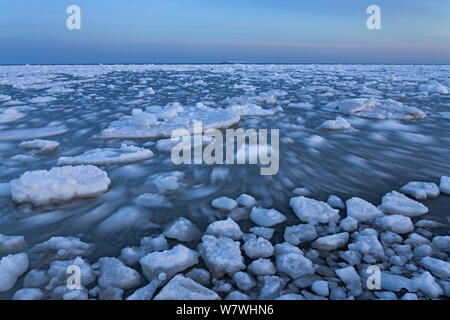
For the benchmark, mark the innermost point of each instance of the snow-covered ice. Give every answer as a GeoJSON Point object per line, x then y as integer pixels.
{"type": "Point", "coordinates": [397, 203]}
{"type": "Point", "coordinates": [420, 190]}
{"type": "Point", "coordinates": [314, 211]}
{"type": "Point", "coordinates": [266, 217]}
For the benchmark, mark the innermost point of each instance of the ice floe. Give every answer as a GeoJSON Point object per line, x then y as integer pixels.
{"type": "Point", "coordinates": [311, 210]}
{"type": "Point", "coordinates": [420, 190]}
{"type": "Point", "coordinates": [108, 156]}
{"type": "Point", "coordinates": [40, 145]}
{"type": "Point", "coordinates": [59, 184]}
{"type": "Point", "coordinates": [397, 203]}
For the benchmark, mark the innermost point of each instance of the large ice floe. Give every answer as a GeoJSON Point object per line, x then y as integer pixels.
{"type": "Point", "coordinates": [59, 184]}
{"type": "Point", "coordinates": [108, 156]}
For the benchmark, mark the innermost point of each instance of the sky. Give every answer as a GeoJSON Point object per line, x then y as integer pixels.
{"type": "Point", "coordinates": [212, 31]}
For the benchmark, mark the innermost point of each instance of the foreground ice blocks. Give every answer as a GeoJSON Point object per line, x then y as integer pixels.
{"type": "Point", "coordinates": [41, 187]}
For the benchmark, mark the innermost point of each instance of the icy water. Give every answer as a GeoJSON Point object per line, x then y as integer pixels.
{"type": "Point", "coordinates": [74, 104]}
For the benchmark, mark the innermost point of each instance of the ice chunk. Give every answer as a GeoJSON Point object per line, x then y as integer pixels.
{"type": "Point", "coordinates": [362, 210]}
{"type": "Point", "coordinates": [145, 293]}
{"type": "Point", "coordinates": [433, 87]}
{"type": "Point", "coordinates": [170, 262]}
{"type": "Point", "coordinates": [441, 243]}
{"type": "Point", "coordinates": [36, 279]}
{"type": "Point", "coordinates": [314, 211]}
{"type": "Point", "coordinates": [438, 267]}
{"type": "Point", "coordinates": [421, 190]}
{"type": "Point", "coordinates": [59, 275]}
{"type": "Point", "coordinates": [221, 255]}
{"type": "Point", "coordinates": [108, 156]}
{"type": "Point", "coordinates": [257, 248]}
{"type": "Point", "coordinates": [352, 257]}
{"type": "Point", "coordinates": [183, 230]}
{"type": "Point", "coordinates": [397, 203]}
{"type": "Point", "coordinates": [266, 217]}
{"type": "Point", "coordinates": [113, 273]}
{"type": "Point", "coordinates": [28, 294]}
{"type": "Point", "coordinates": [39, 144]}
{"type": "Point", "coordinates": [294, 264]}
{"type": "Point", "coordinates": [338, 124]}
{"type": "Point", "coordinates": [224, 203]}
{"type": "Point", "coordinates": [59, 184]}
{"type": "Point", "coordinates": [246, 200]}
{"type": "Point", "coordinates": [167, 181]}
{"type": "Point", "coordinates": [250, 109]}
{"type": "Point", "coordinates": [10, 115]}
{"type": "Point", "coordinates": [349, 224]}
{"type": "Point", "coordinates": [201, 276]}
{"type": "Point", "coordinates": [301, 192]}
{"type": "Point", "coordinates": [271, 288]}
{"type": "Point", "coordinates": [59, 248]}
{"type": "Point", "coordinates": [153, 200]}
{"type": "Point", "coordinates": [445, 185]}
{"type": "Point", "coordinates": [300, 234]}
{"type": "Point", "coordinates": [351, 279]}
{"type": "Point", "coordinates": [335, 202]}
{"type": "Point", "coordinates": [11, 244]}
{"type": "Point", "coordinates": [367, 243]}
{"type": "Point", "coordinates": [331, 242]}
{"type": "Point", "coordinates": [320, 287]}
{"type": "Point", "coordinates": [377, 109]}
{"type": "Point", "coordinates": [266, 233]}
{"type": "Point", "coordinates": [225, 228]}
{"type": "Point", "coordinates": [182, 288]}
{"type": "Point", "coordinates": [11, 268]}
{"type": "Point", "coordinates": [244, 281]}
{"type": "Point", "coordinates": [395, 223]}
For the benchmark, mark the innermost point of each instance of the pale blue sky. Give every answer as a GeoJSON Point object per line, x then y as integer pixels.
{"type": "Point", "coordinates": [289, 31]}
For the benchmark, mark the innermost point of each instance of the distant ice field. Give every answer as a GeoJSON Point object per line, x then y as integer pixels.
{"type": "Point", "coordinates": [346, 130]}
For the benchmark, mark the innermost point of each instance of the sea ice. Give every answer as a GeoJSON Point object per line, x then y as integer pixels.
{"type": "Point", "coordinates": [335, 202]}
{"type": "Point", "coordinates": [362, 210]}
{"type": "Point", "coordinates": [433, 87]}
{"type": "Point", "coordinates": [10, 115]}
{"type": "Point", "coordinates": [377, 109]}
{"type": "Point", "coordinates": [338, 124]}
{"type": "Point", "coordinates": [11, 244]}
{"type": "Point", "coordinates": [182, 288]}
{"type": "Point", "coordinates": [300, 234]}
{"type": "Point", "coordinates": [113, 273]}
{"type": "Point", "coordinates": [245, 200]}
{"type": "Point", "coordinates": [39, 144]}
{"type": "Point", "coordinates": [266, 217]}
{"type": "Point", "coordinates": [331, 242]}
{"type": "Point", "coordinates": [168, 262]}
{"type": "Point", "coordinates": [221, 255]}
{"type": "Point", "coordinates": [367, 243]}
{"type": "Point", "coordinates": [59, 248]}
{"type": "Point", "coordinates": [11, 268]}
{"type": "Point", "coordinates": [258, 248]}
{"type": "Point", "coordinates": [183, 230]}
{"type": "Point", "coordinates": [225, 228]}
{"type": "Point", "coordinates": [395, 223]}
{"type": "Point", "coordinates": [445, 185]}
{"type": "Point", "coordinates": [294, 264]}
{"type": "Point", "coordinates": [108, 156]}
{"type": "Point", "coordinates": [224, 203]}
{"type": "Point", "coordinates": [421, 190]}
{"type": "Point", "coordinates": [397, 203]}
{"type": "Point", "coordinates": [438, 267]}
{"type": "Point", "coordinates": [352, 280]}
{"type": "Point", "coordinates": [28, 294]}
{"type": "Point", "coordinates": [59, 184]}
{"type": "Point", "coordinates": [314, 211]}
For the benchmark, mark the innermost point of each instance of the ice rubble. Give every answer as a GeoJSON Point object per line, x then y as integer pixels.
{"type": "Point", "coordinates": [40, 145]}
{"type": "Point", "coordinates": [11, 244]}
{"type": "Point", "coordinates": [225, 228]}
{"type": "Point", "coordinates": [159, 122]}
{"type": "Point", "coordinates": [331, 242]}
{"type": "Point", "coordinates": [377, 109]}
{"type": "Point", "coordinates": [108, 156]}
{"type": "Point", "coordinates": [59, 184]}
